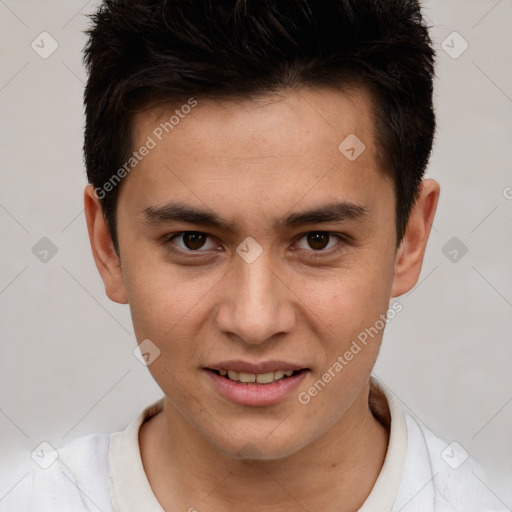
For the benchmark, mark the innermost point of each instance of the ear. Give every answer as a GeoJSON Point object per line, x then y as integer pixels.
{"type": "Point", "coordinates": [105, 256]}
{"type": "Point", "coordinates": [409, 256]}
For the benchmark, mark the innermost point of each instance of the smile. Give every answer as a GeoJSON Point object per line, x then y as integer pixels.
{"type": "Point", "coordinates": [259, 378]}
{"type": "Point", "coordinates": [256, 385]}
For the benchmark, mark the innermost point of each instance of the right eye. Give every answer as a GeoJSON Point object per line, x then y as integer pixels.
{"type": "Point", "coordinates": [190, 241]}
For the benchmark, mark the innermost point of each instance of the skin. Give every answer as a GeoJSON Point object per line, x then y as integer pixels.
{"type": "Point", "coordinates": [254, 162]}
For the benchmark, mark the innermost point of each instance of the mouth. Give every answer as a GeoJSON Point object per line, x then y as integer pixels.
{"type": "Point", "coordinates": [255, 385]}
{"type": "Point", "coordinates": [257, 378]}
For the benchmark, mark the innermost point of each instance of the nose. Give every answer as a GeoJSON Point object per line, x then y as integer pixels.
{"type": "Point", "coordinates": [257, 305]}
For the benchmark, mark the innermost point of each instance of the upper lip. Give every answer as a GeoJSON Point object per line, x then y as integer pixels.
{"type": "Point", "coordinates": [260, 367]}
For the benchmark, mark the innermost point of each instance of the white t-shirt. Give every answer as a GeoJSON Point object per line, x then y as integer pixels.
{"type": "Point", "coordinates": [104, 472]}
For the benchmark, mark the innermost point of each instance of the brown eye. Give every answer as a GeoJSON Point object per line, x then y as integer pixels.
{"type": "Point", "coordinates": [194, 240]}
{"type": "Point", "coordinates": [320, 243]}
{"type": "Point", "coordinates": [318, 240]}
{"type": "Point", "coordinates": [189, 241]}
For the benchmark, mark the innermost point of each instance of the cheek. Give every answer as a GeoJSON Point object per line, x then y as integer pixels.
{"type": "Point", "coordinates": [350, 309]}
{"type": "Point", "coordinates": [168, 312]}
{"type": "Point", "coordinates": [352, 300]}
{"type": "Point", "coordinates": [163, 300]}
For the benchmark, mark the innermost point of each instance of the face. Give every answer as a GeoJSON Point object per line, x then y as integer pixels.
{"type": "Point", "coordinates": [251, 244]}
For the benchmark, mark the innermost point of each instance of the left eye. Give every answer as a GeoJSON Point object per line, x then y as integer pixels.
{"type": "Point", "coordinates": [319, 240]}
{"type": "Point", "coordinates": [192, 241]}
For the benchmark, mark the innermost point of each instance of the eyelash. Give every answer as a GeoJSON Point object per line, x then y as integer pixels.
{"type": "Point", "coordinates": [343, 239]}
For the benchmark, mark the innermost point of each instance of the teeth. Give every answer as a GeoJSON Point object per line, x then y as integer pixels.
{"type": "Point", "coordinates": [260, 378]}
{"type": "Point", "coordinates": [233, 375]}
{"type": "Point", "coordinates": [265, 378]}
{"type": "Point", "coordinates": [246, 377]}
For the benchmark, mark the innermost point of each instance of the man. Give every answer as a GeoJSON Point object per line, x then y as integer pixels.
{"type": "Point", "coordinates": [257, 198]}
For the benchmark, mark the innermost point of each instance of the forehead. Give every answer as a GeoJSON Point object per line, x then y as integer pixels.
{"type": "Point", "coordinates": [284, 146]}
{"type": "Point", "coordinates": [274, 122]}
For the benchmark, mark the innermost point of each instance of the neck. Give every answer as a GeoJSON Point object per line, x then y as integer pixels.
{"type": "Point", "coordinates": [335, 472]}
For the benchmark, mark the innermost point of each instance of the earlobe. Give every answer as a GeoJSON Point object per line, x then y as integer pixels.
{"type": "Point", "coordinates": [105, 256]}
{"type": "Point", "coordinates": [409, 256]}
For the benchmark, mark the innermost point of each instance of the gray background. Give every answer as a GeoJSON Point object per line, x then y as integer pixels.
{"type": "Point", "coordinates": [67, 366]}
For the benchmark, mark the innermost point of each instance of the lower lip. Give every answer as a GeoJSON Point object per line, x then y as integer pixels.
{"type": "Point", "coordinates": [256, 394]}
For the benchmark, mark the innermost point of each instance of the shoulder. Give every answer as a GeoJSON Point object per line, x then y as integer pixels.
{"type": "Point", "coordinates": [457, 481]}
{"type": "Point", "coordinates": [73, 478]}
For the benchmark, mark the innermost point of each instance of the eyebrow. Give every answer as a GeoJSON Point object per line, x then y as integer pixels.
{"type": "Point", "coordinates": [177, 212]}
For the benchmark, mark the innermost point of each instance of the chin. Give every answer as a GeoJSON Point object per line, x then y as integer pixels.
{"type": "Point", "coordinates": [259, 447]}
